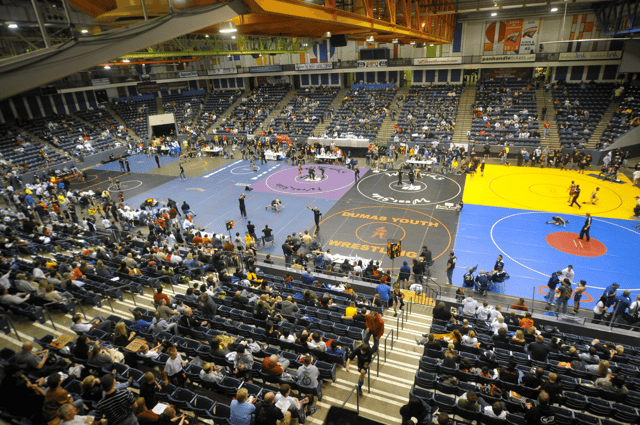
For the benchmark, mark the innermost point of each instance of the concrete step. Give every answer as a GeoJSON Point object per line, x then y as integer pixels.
{"type": "Point", "coordinates": [276, 112]}
{"type": "Point", "coordinates": [335, 105]}
{"type": "Point", "coordinates": [228, 112]}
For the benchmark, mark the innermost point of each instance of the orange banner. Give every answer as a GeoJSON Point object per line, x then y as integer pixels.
{"type": "Point", "coordinates": [513, 31]}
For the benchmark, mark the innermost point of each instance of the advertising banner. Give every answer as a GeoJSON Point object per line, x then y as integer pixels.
{"type": "Point", "coordinates": [437, 61]}
{"type": "Point", "coordinates": [147, 88]}
{"type": "Point", "coordinates": [508, 58]}
{"type": "Point", "coordinates": [311, 66]}
{"type": "Point", "coordinates": [219, 71]}
{"type": "Point", "coordinates": [372, 63]}
{"type": "Point", "coordinates": [574, 56]}
{"type": "Point", "coordinates": [268, 68]}
{"type": "Point", "coordinates": [188, 74]}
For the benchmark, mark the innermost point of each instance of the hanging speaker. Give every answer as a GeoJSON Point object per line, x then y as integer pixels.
{"type": "Point", "coordinates": [255, 55]}
{"type": "Point", "coordinates": [339, 40]}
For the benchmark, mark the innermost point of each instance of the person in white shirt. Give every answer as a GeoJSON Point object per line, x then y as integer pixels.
{"type": "Point", "coordinates": [469, 306]}
{"type": "Point", "coordinates": [483, 311]}
{"type": "Point", "coordinates": [151, 353]}
{"type": "Point", "coordinates": [498, 323]}
{"type": "Point", "coordinates": [497, 410]}
{"type": "Point", "coordinates": [495, 312]}
{"type": "Point", "coordinates": [469, 340]}
{"type": "Point", "coordinates": [211, 373]}
{"type": "Point", "coordinates": [568, 273]}
{"type": "Point", "coordinates": [316, 343]}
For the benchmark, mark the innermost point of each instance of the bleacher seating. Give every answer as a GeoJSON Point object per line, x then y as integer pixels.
{"type": "Point", "coordinates": [248, 116]}
{"type": "Point", "coordinates": [25, 152]}
{"type": "Point", "coordinates": [580, 395]}
{"type": "Point", "coordinates": [136, 114]}
{"type": "Point", "coordinates": [625, 118]}
{"type": "Point", "coordinates": [428, 114]}
{"type": "Point", "coordinates": [184, 107]}
{"type": "Point", "coordinates": [500, 102]}
{"type": "Point", "coordinates": [301, 116]}
{"type": "Point", "coordinates": [578, 110]}
{"type": "Point", "coordinates": [361, 113]}
{"type": "Point", "coordinates": [217, 104]}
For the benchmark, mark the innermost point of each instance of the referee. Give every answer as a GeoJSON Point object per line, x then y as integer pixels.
{"type": "Point", "coordinates": [243, 210]}
{"type": "Point", "coordinates": [317, 215]}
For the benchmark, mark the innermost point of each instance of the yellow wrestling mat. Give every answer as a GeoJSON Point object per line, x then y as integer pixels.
{"type": "Point", "coordinates": [544, 189]}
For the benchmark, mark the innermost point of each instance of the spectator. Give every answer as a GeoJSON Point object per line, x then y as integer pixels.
{"type": "Point", "coordinates": [469, 306]}
{"type": "Point", "coordinates": [526, 321]}
{"type": "Point", "coordinates": [552, 387]}
{"type": "Point", "coordinates": [538, 350]}
{"type": "Point", "coordinates": [308, 374]}
{"type": "Point", "coordinates": [542, 413]}
{"type": "Point", "coordinates": [520, 305]}
{"type": "Point", "coordinates": [614, 384]}
{"type": "Point", "coordinates": [273, 366]}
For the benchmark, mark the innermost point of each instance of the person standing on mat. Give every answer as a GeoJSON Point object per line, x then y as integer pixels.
{"type": "Point", "coordinates": [243, 210]}
{"type": "Point", "coordinates": [317, 215]}
{"type": "Point", "coordinates": [576, 195]}
{"type": "Point", "coordinates": [157, 160]}
{"type": "Point", "coordinates": [126, 163]}
{"type": "Point", "coordinates": [356, 172]}
{"type": "Point", "coordinates": [451, 264]}
{"type": "Point", "coordinates": [251, 228]}
{"type": "Point", "coordinates": [586, 227]}
{"type": "Point", "coordinates": [399, 178]}
{"type": "Point", "coordinates": [121, 162]}
{"type": "Point", "coordinates": [571, 190]}
{"type": "Point", "coordinates": [412, 177]}
{"type": "Point", "coordinates": [182, 175]}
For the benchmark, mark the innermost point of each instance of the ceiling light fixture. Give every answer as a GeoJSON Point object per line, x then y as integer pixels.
{"type": "Point", "coordinates": [494, 14]}
{"type": "Point", "coordinates": [431, 45]}
{"type": "Point", "coordinates": [125, 60]}
{"type": "Point", "coordinates": [107, 67]}
{"type": "Point", "coordinates": [207, 36]}
{"type": "Point", "coordinates": [226, 28]}
{"type": "Point", "coordinates": [233, 37]}
{"type": "Point", "coordinates": [555, 9]}
{"type": "Point", "coordinates": [395, 41]}
{"type": "Point", "coordinates": [13, 26]}
{"type": "Point", "coordinates": [85, 31]}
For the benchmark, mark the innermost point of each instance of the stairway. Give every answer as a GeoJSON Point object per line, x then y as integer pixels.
{"type": "Point", "coordinates": [335, 105]}
{"type": "Point", "coordinates": [43, 142]}
{"type": "Point", "coordinates": [159, 105]}
{"type": "Point", "coordinates": [194, 121]}
{"type": "Point", "coordinates": [228, 112]}
{"type": "Point", "coordinates": [552, 141]}
{"type": "Point", "coordinates": [602, 125]}
{"type": "Point", "coordinates": [276, 112]}
{"type": "Point", "coordinates": [464, 119]}
{"type": "Point", "coordinates": [119, 119]}
{"type": "Point", "coordinates": [386, 130]}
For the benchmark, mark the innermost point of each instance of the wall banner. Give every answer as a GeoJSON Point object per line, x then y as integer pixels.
{"type": "Point", "coordinates": [508, 58]}
{"type": "Point", "coordinates": [188, 74]}
{"type": "Point", "coordinates": [372, 64]}
{"type": "Point", "coordinates": [513, 31]}
{"type": "Point", "coordinates": [310, 66]}
{"type": "Point", "coordinates": [529, 37]}
{"type": "Point", "coordinates": [574, 56]}
{"type": "Point", "coordinates": [437, 61]}
{"type": "Point", "coordinates": [219, 71]}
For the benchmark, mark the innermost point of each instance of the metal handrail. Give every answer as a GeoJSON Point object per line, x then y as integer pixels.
{"type": "Point", "coordinates": [12, 326]}
{"type": "Point", "coordinates": [130, 292]}
{"type": "Point", "coordinates": [375, 356]}
{"type": "Point", "coordinates": [385, 343]}
{"type": "Point", "coordinates": [355, 388]}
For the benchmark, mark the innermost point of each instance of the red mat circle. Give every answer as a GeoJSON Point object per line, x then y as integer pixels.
{"type": "Point", "coordinates": [569, 243]}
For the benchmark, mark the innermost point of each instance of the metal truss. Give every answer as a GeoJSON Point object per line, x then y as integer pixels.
{"type": "Point", "coordinates": [200, 45]}
{"type": "Point", "coordinates": [618, 17]}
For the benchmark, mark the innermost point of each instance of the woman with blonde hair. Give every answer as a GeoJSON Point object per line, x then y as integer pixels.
{"type": "Point", "coordinates": [120, 337]}
{"type": "Point", "coordinates": [469, 340]}
{"type": "Point", "coordinates": [518, 339]}
{"type": "Point", "coordinates": [241, 408]}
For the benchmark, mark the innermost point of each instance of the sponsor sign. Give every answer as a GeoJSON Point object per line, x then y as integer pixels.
{"type": "Point", "coordinates": [147, 88]}
{"type": "Point", "coordinates": [268, 68]}
{"type": "Point", "coordinates": [188, 74]}
{"type": "Point", "coordinates": [372, 64]}
{"type": "Point", "coordinates": [99, 81]}
{"type": "Point", "coordinates": [508, 58]}
{"type": "Point", "coordinates": [311, 66]}
{"type": "Point", "coordinates": [437, 61]}
{"type": "Point", "coordinates": [219, 71]}
{"type": "Point", "coordinates": [574, 56]}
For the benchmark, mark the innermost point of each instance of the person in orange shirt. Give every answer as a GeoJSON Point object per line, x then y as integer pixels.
{"type": "Point", "coordinates": [75, 273]}
{"type": "Point", "coordinates": [526, 321]}
{"type": "Point", "coordinates": [520, 305]}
